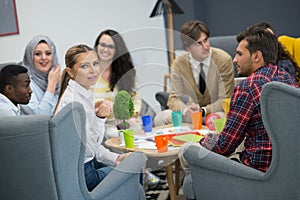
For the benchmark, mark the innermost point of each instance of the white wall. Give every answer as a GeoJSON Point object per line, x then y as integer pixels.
{"type": "Point", "coordinates": [69, 22]}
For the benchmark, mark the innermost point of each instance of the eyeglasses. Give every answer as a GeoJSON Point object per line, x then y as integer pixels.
{"type": "Point", "coordinates": [109, 46]}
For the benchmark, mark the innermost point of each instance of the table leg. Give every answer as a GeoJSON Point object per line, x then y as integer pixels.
{"type": "Point", "coordinates": [172, 189]}
{"type": "Point", "coordinates": [177, 175]}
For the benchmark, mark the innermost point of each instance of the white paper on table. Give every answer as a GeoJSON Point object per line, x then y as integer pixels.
{"type": "Point", "coordinates": [146, 136]}
{"type": "Point", "coordinates": [144, 144]}
{"type": "Point", "coordinates": [171, 130]}
{"type": "Point", "coordinates": [204, 131]}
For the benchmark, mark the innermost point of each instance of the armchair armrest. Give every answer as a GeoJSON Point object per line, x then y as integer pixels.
{"type": "Point", "coordinates": [199, 156]}
{"type": "Point", "coordinates": [129, 168]}
{"type": "Point", "coordinates": [162, 98]}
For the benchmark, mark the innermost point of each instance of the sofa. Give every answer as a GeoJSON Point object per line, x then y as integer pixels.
{"type": "Point", "coordinates": [42, 157]}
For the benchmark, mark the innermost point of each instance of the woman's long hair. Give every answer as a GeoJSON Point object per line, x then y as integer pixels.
{"type": "Point", "coordinates": [123, 73]}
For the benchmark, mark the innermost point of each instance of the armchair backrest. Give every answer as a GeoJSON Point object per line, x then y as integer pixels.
{"type": "Point", "coordinates": [228, 43]}
{"type": "Point", "coordinates": [38, 153]}
{"type": "Point", "coordinates": [26, 170]}
{"type": "Point", "coordinates": [68, 136]}
{"type": "Point", "coordinates": [280, 105]}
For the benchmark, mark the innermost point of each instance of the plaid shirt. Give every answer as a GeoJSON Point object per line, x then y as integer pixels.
{"type": "Point", "coordinates": [244, 120]}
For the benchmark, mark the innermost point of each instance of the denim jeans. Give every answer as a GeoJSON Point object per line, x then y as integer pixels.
{"type": "Point", "coordinates": [95, 172]}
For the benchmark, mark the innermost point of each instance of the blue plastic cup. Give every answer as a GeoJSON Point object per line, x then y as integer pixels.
{"type": "Point", "coordinates": [147, 123]}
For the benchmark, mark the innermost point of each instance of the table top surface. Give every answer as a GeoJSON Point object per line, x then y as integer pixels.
{"type": "Point", "coordinates": [114, 143]}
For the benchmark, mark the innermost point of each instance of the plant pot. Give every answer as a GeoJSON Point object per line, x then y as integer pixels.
{"type": "Point", "coordinates": [123, 125]}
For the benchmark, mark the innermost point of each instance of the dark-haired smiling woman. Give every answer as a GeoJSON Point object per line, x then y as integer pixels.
{"type": "Point", "coordinates": [116, 73]}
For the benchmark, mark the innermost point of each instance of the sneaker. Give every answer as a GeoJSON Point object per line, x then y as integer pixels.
{"type": "Point", "coordinates": [151, 180]}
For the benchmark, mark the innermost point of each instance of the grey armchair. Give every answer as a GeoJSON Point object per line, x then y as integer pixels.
{"type": "Point", "coordinates": [42, 158]}
{"type": "Point", "coordinates": [217, 177]}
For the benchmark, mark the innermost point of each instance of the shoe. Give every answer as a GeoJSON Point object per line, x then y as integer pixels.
{"type": "Point", "coordinates": [151, 180]}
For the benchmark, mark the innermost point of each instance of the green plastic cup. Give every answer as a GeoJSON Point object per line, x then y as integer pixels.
{"type": "Point", "coordinates": [129, 138]}
{"type": "Point", "coordinates": [219, 124]}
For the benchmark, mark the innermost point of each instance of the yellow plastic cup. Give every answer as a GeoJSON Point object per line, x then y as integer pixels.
{"type": "Point", "coordinates": [226, 105]}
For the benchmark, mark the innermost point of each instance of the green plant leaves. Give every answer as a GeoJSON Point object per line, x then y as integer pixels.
{"type": "Point", "coordinates": [123, 107]}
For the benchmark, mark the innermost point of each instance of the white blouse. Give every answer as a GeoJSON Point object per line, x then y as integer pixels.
{"type": "Point", "coordinates": [94, 125]}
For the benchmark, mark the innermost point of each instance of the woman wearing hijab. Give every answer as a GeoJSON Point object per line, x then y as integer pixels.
{"type": "Point", "coordinates": [41, 60]}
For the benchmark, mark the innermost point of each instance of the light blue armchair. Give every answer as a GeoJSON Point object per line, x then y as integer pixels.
{"type": "Point", "coordinates": [217, 177]}
{"type": "Point", "coordinates": [42, 158]}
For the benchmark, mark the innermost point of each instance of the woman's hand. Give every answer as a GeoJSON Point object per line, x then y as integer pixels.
{"type": "Point", "coordinates": [135, 114]}
{"type": "Point", "coordinates": [53, 79]}
{"type": "Point", "coordinates": [103, 108]}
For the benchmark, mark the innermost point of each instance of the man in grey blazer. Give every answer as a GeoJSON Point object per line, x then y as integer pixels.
{"type": "Point", "coordinates": [215, 66]}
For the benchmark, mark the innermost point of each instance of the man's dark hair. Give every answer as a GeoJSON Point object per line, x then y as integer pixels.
{"type": "Point", "coordinates": [282, 54]}
{"type": "Point", "coordinates": [8, 75]}
{"type": "Point", "coordinates": [260, 40]}
{"type": "Point", "coordinates": [264, 25]}
{"type": "Point", "coordinates": [190, 32]}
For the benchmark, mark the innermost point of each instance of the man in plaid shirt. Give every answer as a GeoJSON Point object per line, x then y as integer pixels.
{"type": "Point", "coordinates": [255, 58]}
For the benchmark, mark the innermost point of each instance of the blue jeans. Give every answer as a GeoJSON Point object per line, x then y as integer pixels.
{"type": "Point", "coordinates": [95, 172]}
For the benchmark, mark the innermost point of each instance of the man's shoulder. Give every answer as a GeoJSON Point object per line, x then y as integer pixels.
{"type": "Point", "coordinates": [181, 61]}
{"type": "Point", "coordinates": [256, 79]}
{"type": "Point", "coordinates": [6, 107]}
{"type": "Point", "coordinates": [182, 58]}
{"type": "Point", "coordinates": [4, 101]}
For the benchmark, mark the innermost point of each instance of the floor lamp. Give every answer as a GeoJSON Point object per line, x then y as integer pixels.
{"type": "Point", "coordinates": [167, 7]}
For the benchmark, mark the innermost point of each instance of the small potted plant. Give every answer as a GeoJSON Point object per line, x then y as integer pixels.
{"type": "Point", "coordinates": [123, 109]}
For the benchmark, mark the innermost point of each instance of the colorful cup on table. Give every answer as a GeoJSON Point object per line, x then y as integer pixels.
{"type": "Point", "coordinates": [129, 138]}
{"type": "Point", "coordinates": [162, 142]}
{"type": "Point", "coordinates": [226, 105]}
{"type": "Point", "coordinates": [219, 124]}
{"type": "Point", "coordinates": [197, 120]}
{"type": "Point", "coordinates": [177, 118]}
{"type": "Point", "coordinates": [147, 123]}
